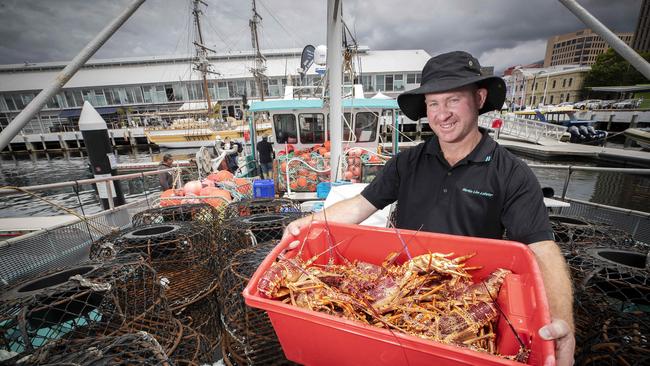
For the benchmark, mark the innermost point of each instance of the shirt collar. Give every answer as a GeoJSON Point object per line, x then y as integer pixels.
{"type": "Point", "coordinates": [481, 153]}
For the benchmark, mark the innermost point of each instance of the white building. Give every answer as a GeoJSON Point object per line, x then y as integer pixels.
{"type": "Point", "coordinates": [122, 88]}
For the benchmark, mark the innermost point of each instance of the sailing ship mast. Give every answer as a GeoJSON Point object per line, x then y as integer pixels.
{"type": "Point", "coordinates": [260, 60]}
{"type": "Point", "coordinates": [202, 64]}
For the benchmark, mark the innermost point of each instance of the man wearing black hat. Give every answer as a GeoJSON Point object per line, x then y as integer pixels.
{"type": "Point", "coordinates": [462, 182]}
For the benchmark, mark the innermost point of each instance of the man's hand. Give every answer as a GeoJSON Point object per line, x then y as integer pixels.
{"type": "Point", "coordinates": [565, 342]}
{"type": "Point", "coordinates": [293, 230]}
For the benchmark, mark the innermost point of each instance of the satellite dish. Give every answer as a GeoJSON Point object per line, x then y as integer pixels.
{"type": "Point", "coordinates": [320, 55]}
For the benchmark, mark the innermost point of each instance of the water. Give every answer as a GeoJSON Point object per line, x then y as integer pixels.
{"type": "Point", "coordinates": [622, 190]}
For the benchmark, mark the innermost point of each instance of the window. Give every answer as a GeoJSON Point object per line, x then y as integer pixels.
{"type": "Point", "coordinates": [398, 82]}
{"type": "Point", "coordinates": [11, 106]}
{"type": "Point", "coordinates": [570, 81]}
{"type": "Point", "coordinates": [347, 124]}
{"type": "Point", "coordinates": [312, 128]}
{"type": "Point", "coordinates": [365, 126]}
{"type": "Point", "coordinates": [553, 86]}
{"type": "Point", "coordinates": [568, 96]}
{"type": "Point", "coordinates": [285, 128]}
{"type": "Point", "coordinates": [563, 83]}
{"type": "Point", "coordinates": [222, 90]}
{"type": "Point", "coordinates": [389, 82]}
{"type": "Point", "coordinates": [551, 101]}
{"type": "Point", "coordinates": [366, 81]}
{"type": "Point", "coordinates": [410, 78]}
{"type": "Point", "coordinates": [561, 97]}
{"type": "Point", "coordinates": [379, 83]}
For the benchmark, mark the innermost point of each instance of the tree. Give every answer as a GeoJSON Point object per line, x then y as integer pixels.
{"type": "Point", "coordinates": [611, 69]}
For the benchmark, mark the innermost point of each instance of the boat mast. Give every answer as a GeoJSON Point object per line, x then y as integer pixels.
{"type": "Point", "coordinates": [202, 63]}
{"type": "Point", "coordinates": [260, 60]}
{"type": "Point", "coordinates": [334, 71]}
{"type": "Point", "coordinates": [17, 124]}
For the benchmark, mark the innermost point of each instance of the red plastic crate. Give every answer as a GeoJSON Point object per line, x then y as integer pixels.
{"type": "Point", "coordinates": [313, 338]}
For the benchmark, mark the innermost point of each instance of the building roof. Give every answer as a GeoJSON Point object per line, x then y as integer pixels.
{"type": "Point", "coordinates": [622, 89]}
{"type": "Point", "coordinates": [138, 71]}
{"type": "Point", "coordinates": [289, 104]}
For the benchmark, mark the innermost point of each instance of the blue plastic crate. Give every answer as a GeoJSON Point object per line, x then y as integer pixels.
{"type": "Point", "coordinates": [323, 189]}
{"type": "Point", "coordinates": [263, 188]}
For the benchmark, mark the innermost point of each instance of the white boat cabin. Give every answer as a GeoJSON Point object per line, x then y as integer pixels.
{"type": "Point", "coordinates": [304, 123]}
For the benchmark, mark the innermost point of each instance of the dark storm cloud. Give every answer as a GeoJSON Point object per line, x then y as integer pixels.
{"type": "Point", "coordinates": [499, 32]}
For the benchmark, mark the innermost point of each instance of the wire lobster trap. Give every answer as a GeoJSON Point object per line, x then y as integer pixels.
{"type": "Point", "coordinates": [259, 206]}
{"type": "Point", "coordinates": [193, 350]}
{"type": "Point", "coordinates": [608, 335]}
{"type": "Point", "coordinates": [91, 299]}
{"type": "Point", "coordinates": [575, 232]}
{"type": "Point", "coordinates": [181, 253]}
{"type": "Point", "coordinates": [197, 212]}
{"type": "Point", "coordinates": [620, 274]}
{"type": "Point", "coordinates": [249, 338]}
{"type": "Point", "coordinates": [139, 348]}
{"type": "Point", "coordinates": [169, 246]}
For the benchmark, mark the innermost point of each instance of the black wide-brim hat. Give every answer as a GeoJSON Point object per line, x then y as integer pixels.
{"type": "Point", "coordinates": [447, 72]}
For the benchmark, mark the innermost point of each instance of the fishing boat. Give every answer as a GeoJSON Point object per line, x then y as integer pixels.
{"type": "Point", "coordinates": [640, 135]}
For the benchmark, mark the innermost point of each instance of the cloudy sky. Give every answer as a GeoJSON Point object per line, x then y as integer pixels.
{"type": "Point", "coordinates": [501, 33]}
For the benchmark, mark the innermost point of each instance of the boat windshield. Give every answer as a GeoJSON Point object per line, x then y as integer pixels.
{"type": "Point", "coordinates": [312, 128]}
{"type": "Point", "coordinates": [285, 128]}
{"type": "Point", "coordinates": [365, 126]}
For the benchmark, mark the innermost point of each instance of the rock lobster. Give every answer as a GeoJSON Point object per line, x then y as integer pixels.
{"type": "Point", "coordinates": [431, 296]}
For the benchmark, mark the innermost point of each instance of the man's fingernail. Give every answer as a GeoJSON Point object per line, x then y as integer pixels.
{"type": "Point", "coordinates": [545, 333]}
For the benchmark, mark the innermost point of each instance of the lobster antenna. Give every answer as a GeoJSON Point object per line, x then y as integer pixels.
{"type": "Point", "coordinates": [496, 305]}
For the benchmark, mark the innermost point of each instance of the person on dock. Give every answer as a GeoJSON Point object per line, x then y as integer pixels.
{"type": "Point", "coordinates": [265, 154]}
{"type": "Point", "coordinates": [166, 178]}
{"type": "Point", "coordinates": [462, 182]}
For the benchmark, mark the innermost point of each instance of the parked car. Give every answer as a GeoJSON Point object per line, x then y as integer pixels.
{"type": "Point", "coordinates": [565, 104]}
{"type": "Point", "coordinates": [607, 104]}
{"type": "Point", "coordinates": [627, 104]}
{"type": "Point", "coordinates": [583, 103]}
{"type": "Point", "coordinates": [594, 104]}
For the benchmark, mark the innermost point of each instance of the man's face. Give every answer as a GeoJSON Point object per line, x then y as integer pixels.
{"type": "Point", "coordinates": [452, 115]}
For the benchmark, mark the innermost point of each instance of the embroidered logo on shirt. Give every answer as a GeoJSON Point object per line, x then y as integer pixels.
{"type": "Point", "coordinates": [477, 192]}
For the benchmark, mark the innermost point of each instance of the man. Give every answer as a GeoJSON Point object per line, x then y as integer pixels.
{"type": "Point", "coordinates": [265, 154]}
{"type": "Point", "coordinates": [462, 182]}
{"type": "Point", "coordinates": [166, 178]}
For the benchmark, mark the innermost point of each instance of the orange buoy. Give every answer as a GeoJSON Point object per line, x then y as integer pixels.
{"type": "Point", "coordinates": [171, 193]}
{"type": "Point", "coordinates": [220, 176]}
{"type": "Point", "coordinates": [244, 186]}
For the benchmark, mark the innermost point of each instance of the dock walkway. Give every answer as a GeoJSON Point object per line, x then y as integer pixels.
{"type": "Point", "coordinates": [549, 149]}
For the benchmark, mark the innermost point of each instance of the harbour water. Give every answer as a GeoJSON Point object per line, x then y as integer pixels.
{"type": "Point", "coordinates": [622, 190]}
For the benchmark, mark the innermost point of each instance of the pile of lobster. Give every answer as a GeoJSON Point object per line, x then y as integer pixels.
{"type": "Point", "coordinates": [431, 296]}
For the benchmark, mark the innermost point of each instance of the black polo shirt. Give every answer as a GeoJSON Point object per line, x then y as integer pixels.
{"type": "Point", "coordinates": [487, 192]}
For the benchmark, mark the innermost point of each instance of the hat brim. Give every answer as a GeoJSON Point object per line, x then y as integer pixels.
{"type": "Point", "coordinates": [412, 102]}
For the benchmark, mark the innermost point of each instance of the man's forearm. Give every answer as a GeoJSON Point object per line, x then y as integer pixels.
{"type": "Point", "coordinates": [557, 280]}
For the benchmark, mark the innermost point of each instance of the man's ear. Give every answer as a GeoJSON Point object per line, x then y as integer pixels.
{"type": "Point", "coordinates": [481, 97]}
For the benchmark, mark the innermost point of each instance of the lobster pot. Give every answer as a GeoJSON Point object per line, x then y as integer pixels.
{"type": "Point", "coordinates": [193, 350]}
{"type": "Point", "coordinates": [619, 274]}
{"type": "Point", "coordinates": [180, 252]}
{"type": "Point", "coordinates": [202, 314]}
{"type": "Point", "coordinates": [92, 299]}
{"type": "Point", "coordinates": [607, 335]}
{"type": "Point", "coordinates": [259, 206]}
{"type": "Point", "coordinates": [243, 232]}
{"type": "Point", "coordinates": [129, 349]}
{"type": "Point", "coordinates": [249, 338]}
{"type": "Point", "coordinates": [197, 212]}
{"type": "Point", "coordinates": [575, 232]}
{"type": "Point", "coordinates": [169, 246]}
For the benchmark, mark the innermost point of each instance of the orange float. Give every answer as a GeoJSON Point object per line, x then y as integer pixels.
{"type": "Point", "coordinates": [244, 186]}
{"type": "Point", "coordinates": [302, 182]}
{"type": "Point", "coordinates": [220, 176]}
{"type": "Point", "coordinates": [171, 193]}
{"type": "Point", "coordinates": [221, 196]}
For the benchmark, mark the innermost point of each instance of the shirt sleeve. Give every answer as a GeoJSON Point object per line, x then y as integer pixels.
{"type": "Point", "coordinates": [524, 217]}
{"type": "Point", "coordinates": [382, 191]}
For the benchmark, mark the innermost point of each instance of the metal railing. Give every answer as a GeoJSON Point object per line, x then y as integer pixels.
{"type": "Point", "coordinates": [523, 128]}
{"type": "Point", "coordinates": [637, 223]}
